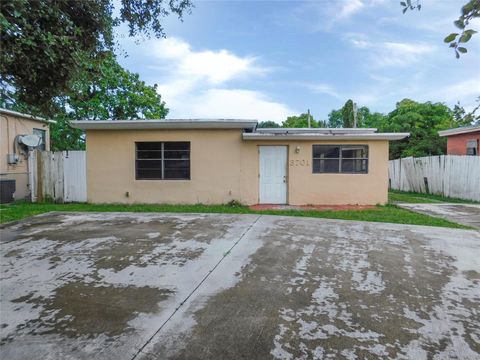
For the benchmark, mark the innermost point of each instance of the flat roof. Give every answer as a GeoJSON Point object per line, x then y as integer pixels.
{"type": "Point", "coordinates": [255, 134]}
{"type": "Point", "coordinates": [164, 124]}
{"type": "Point", "coordinates": [327, 131]}
{"type": "Point", "coordinates": [458, 131]}
{"type": "Point", "coordinates": [317, 135]}
{"type": "Point", "coordinates": [26, 116]}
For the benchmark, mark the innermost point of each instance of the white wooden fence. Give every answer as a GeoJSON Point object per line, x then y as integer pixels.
{"type": "Point", "coordinates": [60, 176]}
{"type": "Point", "coordinates": [447, 175]}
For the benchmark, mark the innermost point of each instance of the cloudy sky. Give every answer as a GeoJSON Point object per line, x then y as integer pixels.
{"type": "Point", "coordinates": [267, 60]}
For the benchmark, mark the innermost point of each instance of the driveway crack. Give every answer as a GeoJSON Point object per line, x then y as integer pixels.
{"type": "Point", "coordinates": [140, 350]}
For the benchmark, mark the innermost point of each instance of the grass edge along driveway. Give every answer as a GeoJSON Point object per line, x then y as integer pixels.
{"type": "Point", "coordinates": [397, 196]}
{"type": "Point", "coordinates": [381, 213]}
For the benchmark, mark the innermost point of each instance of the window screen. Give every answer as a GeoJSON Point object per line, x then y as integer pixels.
{"type": "Point", "coordinates": [351, 159]}
{"type": "Point", "coordinates": [472, 147]}
{"type": "Point", "coordinates": [163, 160]}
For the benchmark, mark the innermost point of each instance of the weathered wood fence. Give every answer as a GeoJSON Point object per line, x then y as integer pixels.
{"type": "Point", "coordinates": [447, 175]}
{"type": "Point", "coordinates": [60, 176]}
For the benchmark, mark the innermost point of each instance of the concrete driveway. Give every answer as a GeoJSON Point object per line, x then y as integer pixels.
{"type": "Point", "coordinates": [466, 214]}
{"type": "Point", "coordinates": [199, 286]}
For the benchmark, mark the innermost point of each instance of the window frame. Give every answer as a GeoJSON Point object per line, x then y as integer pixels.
{"type": "Point", "coordinates": [474, 147]}
{"type": "Point", "coordinates": [341, 158]}
{"type": "Point", "coordinates": [162, 160]}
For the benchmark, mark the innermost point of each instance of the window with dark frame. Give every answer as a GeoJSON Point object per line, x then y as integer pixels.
{"type": "Point", "coordinates": [167, 160]}
{"type": "Point", "coordinates": [341, 159]}
{"type": "Point", "coordinates": [472, 147]}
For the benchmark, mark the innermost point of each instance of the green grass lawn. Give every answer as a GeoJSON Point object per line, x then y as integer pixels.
{"type": "Point", "coordinates": [411, 197]}
{"type": "Point", "coordinates": [386, 213]}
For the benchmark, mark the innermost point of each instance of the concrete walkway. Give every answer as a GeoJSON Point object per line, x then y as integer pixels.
{"type": "Point", "coordinates": [128, 286]}
{"type": "Point", "coordinates": [466, 214]}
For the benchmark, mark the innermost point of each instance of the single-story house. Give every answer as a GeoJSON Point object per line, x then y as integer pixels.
{"type": "Point", "coordinates": [217, 161]}
{"type": "Point", "coordinates": [15, 175]}
{"type": "Point", "coordinates": [463, 141]}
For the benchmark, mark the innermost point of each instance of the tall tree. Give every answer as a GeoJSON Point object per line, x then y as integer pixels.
{"type": "Point", "coordinates": [268, 124]}
{"type": "Point", "coordinates": [335, 119]}
{"type": "Point", "coordinates": [462, 118]}
{"type": "Point", "coordinates": [348, 114]}
{"type": "Point", "coordinates": [107, 91]}
{"type": "Point", "coordinates": [422, 121]}
{"type": "Point", "coordinates": [301, 121]}
{"type": "Point", "coordinates": [365, 118]}
{"type": "Point", "coordinates": [103, 91]}
{"type": "Point", "coordinates": [43, 42]}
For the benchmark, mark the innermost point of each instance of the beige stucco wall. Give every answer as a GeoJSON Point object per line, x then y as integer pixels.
{"type": "Point", "coordinates": [214, 169]}
{"type": "Point", "coordinates": [10, 127]}
{"type": "Point", "coordinates": [224, 168]}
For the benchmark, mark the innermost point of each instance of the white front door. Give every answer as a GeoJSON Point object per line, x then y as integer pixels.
{"type": "Point", "coordinates": [273, 174]}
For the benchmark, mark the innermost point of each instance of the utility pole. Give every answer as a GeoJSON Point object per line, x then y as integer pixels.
{"type": "Point", "coordinates": [308, 119]}
{"type": "Point", "coordinates": [354, 115]}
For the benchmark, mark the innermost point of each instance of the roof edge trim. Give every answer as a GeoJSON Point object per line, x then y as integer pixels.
{"type": "Point", "coordinates": [25, 116]}
{"type": "Point", "coordinates": [163, 124]}
{"type": "Point", "coordinates": [366, 136]}
{"type": "Point", "coordinates": [458, 131]}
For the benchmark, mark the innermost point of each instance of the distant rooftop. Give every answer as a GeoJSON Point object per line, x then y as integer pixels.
{"type": "Point", "coordinates": [458, 131]}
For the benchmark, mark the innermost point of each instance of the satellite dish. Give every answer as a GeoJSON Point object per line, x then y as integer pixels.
{"type": "Point", "coordinates": [31, 141]}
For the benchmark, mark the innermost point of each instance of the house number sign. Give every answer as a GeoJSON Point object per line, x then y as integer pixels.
{"type": "Point", "coordinates": [299, 162]}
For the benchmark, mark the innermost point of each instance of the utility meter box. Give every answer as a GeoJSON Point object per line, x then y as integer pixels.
{"type": "Point", "coordinates": [12, 159]}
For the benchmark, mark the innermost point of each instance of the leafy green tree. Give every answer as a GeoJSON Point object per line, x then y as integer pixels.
{"type": "Point", "coordinates": [64, 137]}
{"type": "Point", "coordinates": [301, 121]}
{"type": "Point", "coordinates": [365, 118]}
{"type": "Point", "coordinates": [103, 91]}
{"type": "Point", "coordinates": [374, 120]}
{"type": "Point", "coordinates": [347, 114]}
{"type": "Point", "coordinates": [422, 121]}
{"type": "Point", "coordinates": [462, 118]}
{"type": "Point", "coordinates": [335, 119]}
{"type": "Point", "coordinates": [475, 113]}
{"type": "Point", "coordinates": [43, 42]}
{"type": "Point", "coordinates": [470, 11]}
{"type": "Point", "coordinates": [107, 91]}
{"type": "Point", "coordinates": [268, 124]}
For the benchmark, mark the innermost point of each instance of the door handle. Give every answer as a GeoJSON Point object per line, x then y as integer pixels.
{"type": "Point", "coordinates": [284, 178]}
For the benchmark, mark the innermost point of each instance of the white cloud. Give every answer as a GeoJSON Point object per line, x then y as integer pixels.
{"type": "Point", "coordinates": [215, 67]}
{"type": "Point", "coordinates": [360, 43]}
{"type": "Point", "coordinates": [401, 54]}
{"type": "Point", "coordinates": [237, 103]}
{"type": "Point", "coordinates": [390, 53]}
{"type": "Point", "coordinates": [320, 88]}
{"type": "Point", "coordinates": [195, 84]}
{"type": "Point", "coordinates": [345, 9]}
{"type": "Point", "coordinates": [349, 7]}
{"type": "Point", "coordinates": [464, 90]}
{"type": "Point", "coordinates": [321, 16]}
